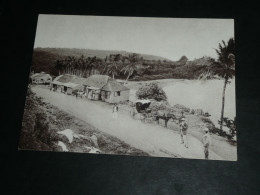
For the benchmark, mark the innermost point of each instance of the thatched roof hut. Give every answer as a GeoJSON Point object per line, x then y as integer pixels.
{"type": "Point", "coordinates": [105, 88]}
{"type": "Point", "coordinates": [41, 78]}
{"type": "Point", "coordinates": [113, 85]}
{"type": "Point", "coordinates": [97, 81]}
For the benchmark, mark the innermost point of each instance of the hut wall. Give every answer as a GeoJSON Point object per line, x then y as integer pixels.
{"type": "Point", "coordinates": [93, 94]}
{"type": "Point", "coordinates": [115, 98]}
{"type": "Point", "coordinates": [60, 88]}
{"type": "Point", "coordinates": [42, 80]}
{"type": "Point", "coordinates": [69, 91]}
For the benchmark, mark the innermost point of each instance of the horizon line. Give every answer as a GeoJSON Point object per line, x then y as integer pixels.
{"type": "Point", "coordinates": [155, 55]}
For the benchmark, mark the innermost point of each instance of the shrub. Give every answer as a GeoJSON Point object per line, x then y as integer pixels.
{"type": "Point", "coordinates": [231, 125]}
{"type": "Point", "coordinates": [151, 91]}
{"type": "Point", "coordinates": [162, 105]}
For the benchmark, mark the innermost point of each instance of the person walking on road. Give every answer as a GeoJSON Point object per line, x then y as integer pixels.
{"type": "Point", "coordinates": [115, 111]}
{"type": "Point", "coordinates": [206, 140]}
{"type": "Point", "coordinates": [183, 132]}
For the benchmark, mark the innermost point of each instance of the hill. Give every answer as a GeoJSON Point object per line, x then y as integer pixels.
{"type": "Point", "coordinates": [150, 68]}
{"type": "Point", "coordinates": [204, 61]}
{"type": "Point", "coordinates": [93, 52]}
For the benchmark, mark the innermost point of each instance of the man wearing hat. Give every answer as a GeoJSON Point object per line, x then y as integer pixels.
{"type": "Point", "coordinates": [206, 140]}
{"type": "Point", "coordinates": [183, 132]}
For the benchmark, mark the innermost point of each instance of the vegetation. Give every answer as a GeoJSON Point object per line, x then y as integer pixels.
{"type": "Point", "coordinates": [80, 66]}
{"type": "Point", "coordinates": [35, 134]}
{"type": "Point", "coordinates": [113, 63]}
{"type": "Point", "coordinates": [121, 65]}
{"type": "Point", "coordinates": [130, 67]}
{"type": "Point", "coordinates": [224, 68]}
{"type": "Point", "coordinates": [92, 52]}
{"type": "Point", "coordinates": [151, 91]}
{"type": "Point", "coordinates": [231, 125]}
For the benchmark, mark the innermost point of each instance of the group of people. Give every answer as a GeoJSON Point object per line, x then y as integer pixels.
{"type": "Point", "coordinates": [206, 140]}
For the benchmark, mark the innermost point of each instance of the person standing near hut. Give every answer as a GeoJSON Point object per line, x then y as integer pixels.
{"type": "Point", "coordinates": [206, 140]}
{"type": "Point", "coordinates": [115, 111]}
{"type": "Point", "coordinates": [183, 132]}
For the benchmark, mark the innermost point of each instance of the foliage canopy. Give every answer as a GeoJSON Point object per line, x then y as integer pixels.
{"type": "Point", "coordinates": [151, 91]}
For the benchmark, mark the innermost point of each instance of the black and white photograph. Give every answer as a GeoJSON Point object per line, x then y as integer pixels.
{"type": "Point", "coordinates": [138, 86]}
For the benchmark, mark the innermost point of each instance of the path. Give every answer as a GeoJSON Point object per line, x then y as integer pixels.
{"type": "Point", "coordinates": [153, 139]}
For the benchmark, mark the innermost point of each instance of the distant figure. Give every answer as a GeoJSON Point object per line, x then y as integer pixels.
{"type": "Point", "coordinates": [94, 140]}
{"type": "Point", "coordinates": [115, 111]}
{"type": "Point", "coordinates": [183, 132]}
{"type": "Point", "coordinates": [132, 112]}
{"type": "Point", "coordinates": [206, 140]}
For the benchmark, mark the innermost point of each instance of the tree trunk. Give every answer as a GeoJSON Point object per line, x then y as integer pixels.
{"type": "Point", "coordinates": [127, 78]}
{"type": "Point", "coordinates": [223, 104]}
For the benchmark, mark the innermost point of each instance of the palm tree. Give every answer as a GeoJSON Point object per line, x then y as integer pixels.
{"type": "Point", "coordinates": [98, 66]}
{"type": "Point", "coordinates": [133, 60]}
{"type": "Point", "coordinates": [92, 64]}
{"type": "Point", "coordinates": [224, 68]}
{"type": "Point", "coordinates": [80, 65]}
{"type": "Point", "coordinates": [113, 65]}
{"type": "Point", "coordinates": [112, 69]}
{"type": "Point", "coordinates": [70, 64]}
{"type": "Point", "coordinates": [105, 63]}
{"type": "Point", "coordinates": [58, 65]}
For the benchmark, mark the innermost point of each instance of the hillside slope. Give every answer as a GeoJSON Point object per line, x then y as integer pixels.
{"type": "Point", "coordinates": [93, 52]}
{"type": "Point", "coordinates": [152, 67]}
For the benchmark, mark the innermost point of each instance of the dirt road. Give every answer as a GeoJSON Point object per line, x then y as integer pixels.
{"type": "Point", "coordinates": [153, 139]}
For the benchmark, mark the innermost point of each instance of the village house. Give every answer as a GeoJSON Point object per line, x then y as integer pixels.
{"type": "Point", "coordinates": [59, 82]}
{"type": "Point", "coordinates": [68, 83]}
{"type": "Point", "coordinates": [41, 78]}
{"type": "Point", "coordinates": [103, 87]}
{"type": "Point", "coordinates": [76, 84]}
{"type": "Point", "coordinates": [96, 87]}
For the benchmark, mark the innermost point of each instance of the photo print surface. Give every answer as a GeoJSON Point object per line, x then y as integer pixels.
{"type": "Point", "coordinates": [140, 86]}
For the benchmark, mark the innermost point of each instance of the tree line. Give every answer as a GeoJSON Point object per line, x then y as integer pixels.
{"type": "Point", "coordinates": [112, 65]}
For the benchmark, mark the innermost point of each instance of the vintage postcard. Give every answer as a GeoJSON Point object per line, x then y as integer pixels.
{"type": "Point", "coordinates": [140, 86]}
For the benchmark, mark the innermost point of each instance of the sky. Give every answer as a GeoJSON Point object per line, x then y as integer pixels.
{"type": "Point", "coordinates": [166, 37]}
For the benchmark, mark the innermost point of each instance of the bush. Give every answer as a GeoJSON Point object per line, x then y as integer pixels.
{"type": "Point", "coordinates": [181, 107]}
{"type": "Point", "coordinates": [151, 91]}
{"type": "Point", "coordinates": [231, 125]}
{"type": "Point", "coordinates": [162, 105]}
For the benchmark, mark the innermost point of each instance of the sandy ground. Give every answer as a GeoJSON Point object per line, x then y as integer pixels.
{"type": "Point", "coordinates": [153, 139]}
